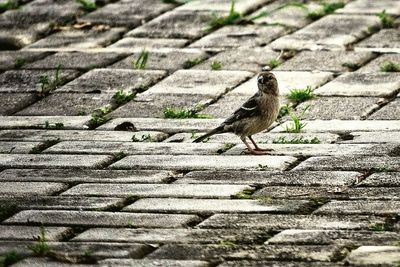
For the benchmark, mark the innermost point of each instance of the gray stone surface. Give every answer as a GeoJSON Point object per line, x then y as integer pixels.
{"type": "Point", "coordinates": [390, 179]}
{"type": "Point", "coordinates": [374, 256]}
{"type": "Point", "coordinates": [385, 41]}
{"type": "Point", "coordinates": [31, 232]}
{"type": "Point", "coordinates": [17, 147]}
{"type": "Point", "coordinates": [241, 6]}
{"type": "Point", "coordinates": [31, 188]}
{"type": "Point", "coordinates": [17, 59]}
{"type": "Point", "coordinates": [97, 218]}
{"type": "Point", "coordinates": [11, 103]}
{"type": "Point", "coordinates": [156, 190]}
{"type": "Point", "coordinates": [390, 111]}
{"type": "Point", "coordinates": [373, 137]}
{"type": "Point", "coordinates": [129, 42]}
{"type": "Point", "coordinates": [261, 263]}
{"type": "Point", "coordinates": [371, 207]}
{"type": "Point", "coordinates": [39, 122]}
{"type": "Point", "coordinates": [217, 206]}
{"type": "Point", "coordinates": [53, 161]}
{"type": "Point", "coordinates": [185, 162]}
{"type": "Point", "coordinates": [376, 64]}
{"type": "Point", "coordinates": [152, 263]}
{"type": "Point", "coordinates": [367, 7]}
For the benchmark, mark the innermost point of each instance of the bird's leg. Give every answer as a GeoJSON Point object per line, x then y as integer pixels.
{"type": "Point", "coordinates": [256, 147]}
{"type": "Point", "coordinates": [251, 150]}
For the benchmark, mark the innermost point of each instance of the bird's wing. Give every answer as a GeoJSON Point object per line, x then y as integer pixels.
{"type": "Point", "coordinates": [248, 109]}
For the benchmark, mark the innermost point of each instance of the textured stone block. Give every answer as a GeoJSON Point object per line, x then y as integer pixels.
{"type": "Point", "coordinates": [374, 256]}
{"type": "Point", "coordinates": [362, 207]}
{"type": "Point", "coordinates": [385, 41]}
{"type": "Point", "coordinates": [12, 232]}
{"type": "Point", "coordinates": [143, 43]}
{"type": "Point", "coordinates": [11, 103]}
{"type": "Point", "coordinates": [17, 147]}
{"type": "Point", "coordinates": [31, 188]}
{"type": "Point", "coordinates": [390, 111]}
{"type": "Point", "coordinates": [153, 263]}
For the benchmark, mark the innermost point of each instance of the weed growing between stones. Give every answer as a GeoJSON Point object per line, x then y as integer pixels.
{"type": "Point", "coordinates": [296, 140]}
{"type": "Point", "coordinates": [386, 20]}
{"type": "Point", "coordinates": [273, 63]}
{"type": "Point", "coordinates": [41, 248]}
{"type": "Point", "coordinates": [224, 148]}
{"type": "Point", "coordinates": [191, 63]}
{"type": "Point", "coordinates": [227, 243]}
{"type": "Point", "coordinates": [10, 258]}
{"type": "Point", "coordinates": [7, 5]}
{"type": "Point", "coordinates": [183, 113]}
{"type": "Point", "coordinates": [48, 85]}
{"type": "Point", "coordinates": [327, 8]}
{"type": "Point", "coordinates": [216, 65]}
{"type": "Point", "coordinates": [230, 19]}
{"type": "Point", "coordinates": [143, 138]}
{"type": "Point", "coordinates": [119, 155]}
{"type": "Point", "coordinates": [378, 227]}
{"type": "Point", "coordinates": [244, 194]}
{"type": "Point", "coordinates": [390, 66]}
{"type": "Point", "coordinates": [99, 117]}
{"type": "Point", "coordinates": [44, 145]}
{"type": "Point", "coordinates": [121, 97]}
{"type": "Point", "coordinates": [141, 61]}
{"type": "Point", "coordinates": [87, 5]}
{"type": "Point", "coordinates": [53, 126]}
{"type": "Point", "coordinates": [351, 66]}
{"type": "Point", "coordinates": [296, 125]}
{"type": "Point", "coordinates": [297, 96]}
{"type": "Point", "coordinates": [19, 62]}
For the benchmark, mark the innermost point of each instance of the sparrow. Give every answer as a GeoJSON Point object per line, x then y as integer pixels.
{"type": "Point", "coordinates": [254, 116]}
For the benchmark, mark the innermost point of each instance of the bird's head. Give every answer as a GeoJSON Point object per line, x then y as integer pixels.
{"type": "Point", "coordinates": [267, 83]}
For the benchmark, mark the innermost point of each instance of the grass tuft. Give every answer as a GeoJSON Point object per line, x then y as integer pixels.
{"type": "Point", "coordinates": [99, 117]}
{"type": "Point", "coordinates": [41, 248]}
{"type": "Point", "coordinates": [273, 63]}
{"type": "Point", "coordinates": [244, 194]}
{"type": "Point", "coordinates": [191, 63]}
{"type": "Point", "coordinates": [327, 8]}
{"type": "Point", "coordinates": [48, 85]}
{"type": "Point", "coordinates": [121, 97]}
{"type": "Point", "coordinates": [87, 5]}
{"type": "Point", "coordinates": [386, 20]}
{"type": "Point", "coordinates": [141, 61]}
{"type": "Point", "coordinates": [296, 125]}
{"type": "Point", "coordinates": [230, 19]}
{"type": "Point", "coordinates": [143, 138]}
{"type": "Point", "coordinates": [19, 62]}
{"type": "Point", "coordinates": [216, 65]}
{"type": "Point", "coordinates": [8, 5]}
{"type": "Point", "coordinates": [296, 140]}
{"type": "Point", "coordinates": [10, 258]}
{"type": "Point", "coordinates": [378, 227]}
{"type": "Point", "coordinates": [300, 95]}
{"type": "Point", "coordinates": [390, 66]}
{"type": "Point", "coordinates": [183, 113]}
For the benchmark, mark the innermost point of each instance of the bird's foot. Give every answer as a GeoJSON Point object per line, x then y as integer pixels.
{"type": "Point", "coordinates": [263, 149]}
{"type": "Point", "coordinates": [255, 152]}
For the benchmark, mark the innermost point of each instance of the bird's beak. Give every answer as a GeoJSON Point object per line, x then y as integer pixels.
{"type": "Point", "coordinates": [260, 79]}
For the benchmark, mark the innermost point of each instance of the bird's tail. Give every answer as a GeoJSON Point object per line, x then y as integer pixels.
{"type": "Point", "coordinates": [219, 129]}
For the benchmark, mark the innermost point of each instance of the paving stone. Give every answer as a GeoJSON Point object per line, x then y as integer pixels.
{"type": "Point", "coordinates": [348, 29]}
{"type": "Point", "coordinates": [46, 262]}
{"type": "Point", "coordinates": [390, 111]}
{"type": "Point", "coordinates": [164, 125]}
{"type": "Point", "coordinates": [389, 179]}
{"type": "Point", "coordinates": [277, 222]}
{"type": "Point", "coordinates": [126, 13]}
{"type": "Point", "coordinates": [53, 161]}
{"type": "Point", "coordinates": [307, 150]}
{"type": "Point", "coordinates": [362, 207]}
{"type": "Point", "coordinates": [367, 7]}
{"type": "Point", "coordinates": [170, 60]}
{"type": "Point", "coordinates": [104, 219]}
{"type": "Point", "coordinates": [261, 263]}
{"type": "Point", "coordinates": [17, 59]}
{"type": "Point", "coordinates": [156, 190]}
{"type": "Point", "coordinates": [332, 61]}
{"type": "Point", "coordinates": [350, 163]}
{"type": "Point", "coordinates": [241, 6]}
{"type": "Point", "coordinates": [217, 206]}
{"type": "Point", "coordinates": [62, 203]}
{"type": "Point", "coordinates": [373, 137]}
{"type": "Point", "coordinates": [31, 188]}
{"type": "Point", "coordinates": [76, 60]}
{"type": "Point", "coordinates": [110, 80]}
{"type": "Point", "coordinates": [270, 252]}
{"type": "Point", "coordinates": [342, 108]}
{"type": "Point", "coordinates": [17, 147]}
{"type": "Point", "coordinates": [152, 263]}
{"type": "Point", "coordinates": [79, 135]}
{"type": "Point", "coordinates": [198, 82]}
{"type": "Point", "coordinates": [129, 42]}
{"type": "Point", "coordinates": [344, 126]}
{"type": "Point", "coordinates": [11, 103]}
{"type": "Point", "coordinates": [86, 176]}
{"type": "Point", "coordinates": [375, 65]}
{"type": "Point", "coordinates": [230, 37]}
{"type": "Point", "coordinates": [287, 80]}
{"type": "Point", "coordinates": [186, 162]}
{"type": "Point", "coordinates": [12, 232]}
{"type": "Point", "coordinates": [385, 41]}
{"type": "Point", "coordinates": [176, 24]}
{"type": "Point", "coordinates": [374, 256]}
{"type": "Point", "coordinates": [267, 178]}
{"type": "Point", "coordinates": [362, 84]}
{"type": "Point", "coordinates": [240, 59]}
{"type": "Point", "coordinates": [326, 237]}
{"type": "Point", "coordinates": [200, 236]}
{"type": "Point", "coordinates": [70, 40]}
{"type": "Point", "coordinates": [136, 148]}
{"type": "Point", "coordinates": [28, 81]}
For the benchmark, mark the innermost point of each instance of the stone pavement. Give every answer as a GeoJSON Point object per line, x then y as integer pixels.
{"type": "Point", "coordinates": [100, 103]}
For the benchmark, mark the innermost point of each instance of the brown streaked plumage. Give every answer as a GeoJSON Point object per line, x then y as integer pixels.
{"type": "Point", "coordinates": [255, 115]}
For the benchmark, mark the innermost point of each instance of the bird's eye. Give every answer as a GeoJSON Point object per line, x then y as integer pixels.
{"type": "Point", "coordinates": [260, 79]}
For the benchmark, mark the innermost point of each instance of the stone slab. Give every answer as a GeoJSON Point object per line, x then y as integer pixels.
{"type": "Point", "coordinates": [78, 135]}
{"type": "Point", "coordinates": [330, 61]}
{"type": "Point", "coordinates": [389, 179]}
{"type": "Point", "coordinates": [39, 122]}
{"type": "Point", "coordinates": [85, 176]}
{"type": "Point", "coordinates": [28, 81]}
{"type": "Point", "coordinates": [129, 42]}
{"type": "Point", "coordinates": [390, 111]}
{"type": "Point", "coordinates": [46, 262]}
{"type": "Point", "coordinates": [362, 84]}
{"type": "Point", "coordinates": [72, 39]}
{"type": "Point", "coordinates": [287, 80]}
{"type": "Point", "coordinates": [53, 161]}
{"type": "Point", "coordinates": [11, 103]}
{"type": "Point", "coordinates": [340, 108]}
{"type": "Point", "coordinates": [153, 263]}
{"type": "Point", "coordinates": [17, 147]}
{"type": "Point", "coordinates": [135, 148]}
{"type": "Point", "coordinates": [338, 126]}
{"type": "Point", "coordinates": [104, 219]}
{"type": "Point", "coordinates": [31, 188]}
{"type": "Point", "coordinates": [375, 65]}
{"type": "Point", "coordinates": [217, 206]}
{"type": "Point", "coordinates": [156, 190]}
{"type": "Point", "coordinates": [233, 37]}
{"type": "Point", "coordinates": [17, 59]}
{"type": "Point", "coordinates": [280, 222]}
{"type": "Point", "coordinates": [267, 178]}
{"type": "Point", "coordinates": [62, 202]}
{"type": "Point", "coordinates": [348, 29]}
{"type": "Point", "coordinates": [350, 163]}
{"type": "Point", "coordinates": [111, 80]}
{"type": "Point", "coordinates": [374, 137]}
{"type": "Point", "coordinates": [261, 263]}
{"type": "Point", "coordinates": [185, 162]}
{"type": "Point", "coordinates": [241, 6]}
{"type": "Point", "coordinates": [374, 256]}
{"type": "Point", "coordinates": [13, 232]}
{"type": "Point", "coordinates": [170, 61]}
{"type": "Point", "coordinates": [361, 207]}
{"type": "Point", "coordinates": [385, 41]}
{"type": "Point", "coordinates": [367, 7]}
{"type": "Point", "coordinates": [76, 60]}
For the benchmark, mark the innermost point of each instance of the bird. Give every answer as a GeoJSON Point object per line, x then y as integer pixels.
{"type": "Point", "coordinates": [254, 116]}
